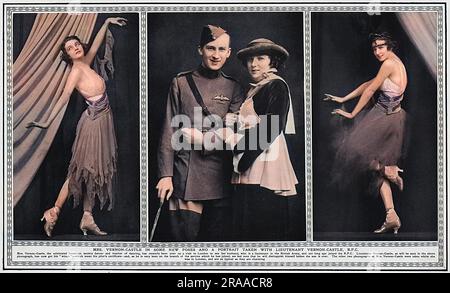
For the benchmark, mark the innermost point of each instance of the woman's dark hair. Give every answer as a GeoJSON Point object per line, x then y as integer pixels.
{"type": "Point", "coordinates": [385, 36]}
{"type": "Point", "coordinates": [64, 56]}
{"type": "Point", "coordinates": [276, 61]}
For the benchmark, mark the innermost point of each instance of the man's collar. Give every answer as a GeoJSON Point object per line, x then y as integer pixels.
{"type": "Point", "coordinates": [208, 73]}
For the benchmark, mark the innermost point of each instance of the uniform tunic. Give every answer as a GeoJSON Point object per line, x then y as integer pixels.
{"type": "Point", "coordinates": [197, 175]}
{"type": "Point", "coordinates": [198, 208]}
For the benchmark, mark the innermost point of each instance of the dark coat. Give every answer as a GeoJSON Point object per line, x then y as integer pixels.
{"type": "Point", "coordinates": [196, 174]}
{"type": "Point", "coordinates": [272, 99]}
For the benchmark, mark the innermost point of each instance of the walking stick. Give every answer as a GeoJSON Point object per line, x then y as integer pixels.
{"type": "Point", "coordinates": [155, 222]}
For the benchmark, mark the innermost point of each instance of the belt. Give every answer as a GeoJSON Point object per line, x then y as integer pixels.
{"type": "Point", "coordinates": [389, 110]}
{"type": "Point", "coordinates": [94, 113]}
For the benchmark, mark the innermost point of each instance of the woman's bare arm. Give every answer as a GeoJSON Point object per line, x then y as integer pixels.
{"type": "Point", "coordinates": [384, 72]}
{"type": "Point", "coordinates": [386, 69]}
{"type": "Point", "coordinates": [100, 36]}
{"type": "Point", "coordinates": [71, 82]}
{"type": "Point", "coordinates": [355, 93]}
{"type": "Point", "coordinates": [358, 91]}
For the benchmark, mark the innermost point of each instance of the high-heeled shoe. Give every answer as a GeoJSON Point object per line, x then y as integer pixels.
{"type": "Point", "coordinates": [388, 225]}
{"type": "Point", "coordinates": [50, 216]}
{"type": "Point", "coordinates": [88, 224]}
{"type": "Point", "coordinates": [388, 172]}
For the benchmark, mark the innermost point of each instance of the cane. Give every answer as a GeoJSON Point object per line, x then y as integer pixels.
{"type": "Point", "coordinates": [155, 222]}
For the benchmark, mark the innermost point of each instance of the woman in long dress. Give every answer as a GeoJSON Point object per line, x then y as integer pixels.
{"type": "Point", "coordinates": [94, 151]}
{"type": "Point", "coordinates": [373, 146]}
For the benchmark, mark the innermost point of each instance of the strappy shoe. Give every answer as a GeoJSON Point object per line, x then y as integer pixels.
{"type": "Point", "coordinates": [88, 224]}
{"type": "Point", "coordinates": [390, 225]}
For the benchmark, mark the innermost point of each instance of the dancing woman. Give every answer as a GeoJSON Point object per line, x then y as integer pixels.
{"type": "Point", "coordinates": [375, 142]}
{"type": "Point", "coordinates": [94, 151]}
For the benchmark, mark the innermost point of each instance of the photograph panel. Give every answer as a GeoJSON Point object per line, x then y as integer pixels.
{"type": "Point", "coordinates": [76, 128]}
{"type": "Point", "coordinates": [177, 47]}
{"type": "Point", "coordinates": [375, 126]}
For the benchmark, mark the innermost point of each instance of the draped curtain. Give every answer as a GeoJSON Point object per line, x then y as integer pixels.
{"type": "Point", "coordinates": [39, 76]}
{"type": "Point", "coordinates": [421, 28]}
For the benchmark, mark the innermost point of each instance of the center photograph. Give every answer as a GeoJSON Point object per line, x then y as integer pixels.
{"type": "Point", "coordinates": [226, 127]}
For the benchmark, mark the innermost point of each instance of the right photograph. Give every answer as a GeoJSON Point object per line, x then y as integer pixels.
{"type": "Point", "coordinates": [374, 126]}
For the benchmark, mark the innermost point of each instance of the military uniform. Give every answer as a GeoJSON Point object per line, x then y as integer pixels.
{"type": "Point", "coordinates": [198, 175]}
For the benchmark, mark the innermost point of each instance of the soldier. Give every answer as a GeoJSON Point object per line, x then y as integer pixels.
{"type": "Point", "coordinates": [197, 182]}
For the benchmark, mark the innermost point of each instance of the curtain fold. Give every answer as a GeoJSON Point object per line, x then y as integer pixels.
{"type": "Point", "coordinates": [39, 77]}
{"type": "Point", "coordinates": [421, 28]}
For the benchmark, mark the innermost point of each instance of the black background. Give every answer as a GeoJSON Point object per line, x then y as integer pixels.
{"type": "Point", "coordinates": [123, 93]}
{"type": "Point", "coordinates": [172, 48]}
{"type": "Point", "coordinates": [343, 59]}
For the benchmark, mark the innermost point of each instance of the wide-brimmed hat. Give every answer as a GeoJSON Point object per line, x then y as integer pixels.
{"type": "Point", "coordinates": [261, 47]}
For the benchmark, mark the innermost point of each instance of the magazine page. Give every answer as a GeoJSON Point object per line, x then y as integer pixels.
{"type": "Point", "coordinates": [261, 136]}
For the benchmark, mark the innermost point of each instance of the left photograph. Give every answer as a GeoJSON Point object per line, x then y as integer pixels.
{"type": "Point", "coordinates": [76, 126]}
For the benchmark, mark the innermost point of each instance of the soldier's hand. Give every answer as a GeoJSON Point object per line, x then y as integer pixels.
{"type": "Point", "coordinates": [165, 188]}
{"type": "Point", "coordinates": [231, 119]}
{"type": "Point", "coordinates": [193, 136]}
{"type": "Point", "coordinates": [224, 133]}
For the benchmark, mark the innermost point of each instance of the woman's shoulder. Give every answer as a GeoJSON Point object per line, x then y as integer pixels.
{"type": "Point", "coordinates": [392, 64]}
{"type": "Point", "coordinates": [274, 90]}
{"type": "Point", "coordinates": [75, 71]}
{"type": "Point", "coordinates": [278, 84]}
